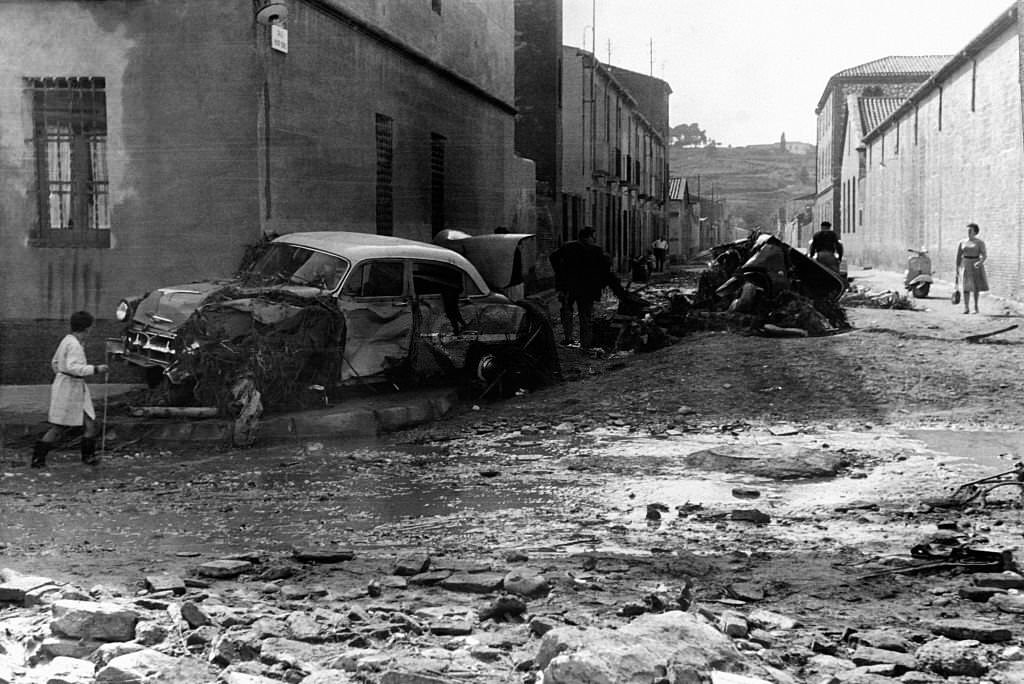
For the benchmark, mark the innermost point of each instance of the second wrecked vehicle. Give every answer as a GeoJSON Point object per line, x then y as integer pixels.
{"type": "Point", "coordinates": [320, 310]}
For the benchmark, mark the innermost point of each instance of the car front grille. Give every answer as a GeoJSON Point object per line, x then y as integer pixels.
{"type": "Point", "coordinates": [155, 348]}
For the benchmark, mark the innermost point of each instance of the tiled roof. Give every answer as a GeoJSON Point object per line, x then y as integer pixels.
{"type": "Point", "coordinates": [896, 66]}
{"type": "Point", "coordinates": [875, 110]}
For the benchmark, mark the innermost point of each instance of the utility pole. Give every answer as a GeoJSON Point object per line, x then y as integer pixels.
{"type": "Point", "coordinates": [651, 47]}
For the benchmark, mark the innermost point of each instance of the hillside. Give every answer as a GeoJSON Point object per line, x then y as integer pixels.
{"type": "Point", "coordinates": [755, 181]}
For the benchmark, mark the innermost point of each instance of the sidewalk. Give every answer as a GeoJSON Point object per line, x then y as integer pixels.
{"type": "Point", "coordinates": [23, 410]}
{"type": "Point", "coordinates": [941, 290]}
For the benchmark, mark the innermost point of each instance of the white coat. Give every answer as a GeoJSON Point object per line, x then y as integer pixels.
{"type": "Point", "coordinates": [69, 395]}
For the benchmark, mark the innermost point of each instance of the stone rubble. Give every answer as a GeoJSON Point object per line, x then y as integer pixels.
{"type": "Point", "coordinates": [470, 620]}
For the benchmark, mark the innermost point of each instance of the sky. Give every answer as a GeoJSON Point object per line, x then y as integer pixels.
{"type": "Point", "coordinates": [748, 71]}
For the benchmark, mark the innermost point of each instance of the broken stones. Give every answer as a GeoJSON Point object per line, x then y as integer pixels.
{"type": "Point", "coordinates": [530, 586]}
{"type": "Point", "coordinates": [866, 655]}
{"type": "Point", "coordinates": [778, 462]}
{"type": "Point", "coordinates": [884, 639]}
{"type": "Point", "coordinates": [325, 556]}
{"type": "Point", "coordinates": [194, 615]}
{"type": "Point", "coordinates": [411, 564]}
{"type": "Point", "coordinates": [746, 591]}
{"type": "Point", "coordinates": [478, 583]}
{"type": "Point", "coordinates": [733, 624]}
{"type": "Point", "coordinates": [766, 619]}
{"type": "Point", "coordinates": [1008, 603]}
{"type": "Point", "coordinates": [89, 620]}
{"type": "Point", "coordinates": [952, 658]}
{"type": "Point", "coordinates": [139, 666]}
{"type": "Point", "coordinates": [25, 589]}
{"type": "Point", "coordinates": [999, 580]}
{"type": "Point", "coordinates": [985, 632]}
{"type": "Point", "coordinates": [503, 609]}
{"type": "Point", "coordinates": [432, 577]}
{"type": "Point", "coordinates": [164, 582]}
{"type": "Point", "coordinates": [150, 633]}
{"type": "Point", "coordinates": [635, 652]}
{"type": "Point", "coordinates": [64, 670]}
{"type": "Point", "coordinates": [750, 515]}
{"type": "Point", "coordinates": [979, 594]}
{"type": "Point", "coordinates": [69, 648]}
{"type": "Point", "coordinates": [224, 569]}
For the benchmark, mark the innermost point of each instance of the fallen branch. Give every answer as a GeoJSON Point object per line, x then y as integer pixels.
{"type": "Point", "coordinates": [981, 336]}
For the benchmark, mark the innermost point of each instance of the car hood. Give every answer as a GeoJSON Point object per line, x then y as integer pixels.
{"type": "Point", "coordinates": [167, 308]}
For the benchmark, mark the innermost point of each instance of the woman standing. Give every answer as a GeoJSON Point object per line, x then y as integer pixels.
{"type": "Point", "coordinates": [970, 263]}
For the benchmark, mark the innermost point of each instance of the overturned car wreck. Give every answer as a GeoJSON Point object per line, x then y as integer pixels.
{"type": "Point", "coordinates": [315, 312]}
{"type": "Point", "coordinates": [773, 288]}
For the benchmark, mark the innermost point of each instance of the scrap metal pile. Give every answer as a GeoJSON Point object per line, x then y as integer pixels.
{"type": "Point", "coordinates": [758, 284]}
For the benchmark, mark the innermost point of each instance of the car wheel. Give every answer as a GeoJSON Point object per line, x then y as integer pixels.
{"type": "Point", "coordinates": [921, 291]}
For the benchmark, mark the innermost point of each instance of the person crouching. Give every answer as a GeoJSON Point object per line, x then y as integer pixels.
{"type": "Point", "coordinates": [70, 401]}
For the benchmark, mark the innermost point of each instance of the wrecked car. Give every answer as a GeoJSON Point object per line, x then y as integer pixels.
{"type": "Point", "coordinates": [324, 310]}
{"type": "Point", "coordinates": [781, 288]}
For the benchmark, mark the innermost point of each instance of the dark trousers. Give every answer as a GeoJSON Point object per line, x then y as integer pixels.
{"type": "Point", "coordinates": [659, 258]}
{"type": "Point", "coordinates": [585, 307]}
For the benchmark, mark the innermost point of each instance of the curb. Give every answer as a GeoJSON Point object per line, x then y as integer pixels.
{"type": "Point", "coordinates": [361, 418]}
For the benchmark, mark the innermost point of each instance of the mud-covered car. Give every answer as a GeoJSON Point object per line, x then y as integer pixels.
{"type": "Point", "coordinates": [327, 309]}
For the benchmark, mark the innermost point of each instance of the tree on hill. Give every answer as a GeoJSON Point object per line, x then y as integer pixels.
{"type": "Point", "coordinates": [782, 143]}
{"type": "Point", "coordinates": [688, 135]}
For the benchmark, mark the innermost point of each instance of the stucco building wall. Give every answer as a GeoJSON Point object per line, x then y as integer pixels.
{"type": "Point", "coordinates": [212, 139]}
{"type": "Point", "coordinates": [924, 190]}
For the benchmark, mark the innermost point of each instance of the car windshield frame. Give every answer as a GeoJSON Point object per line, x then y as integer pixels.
{"type": "Point", "coordinates": [284, 263]}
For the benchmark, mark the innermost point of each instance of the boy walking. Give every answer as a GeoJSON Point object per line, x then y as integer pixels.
{"type": "Point", "coordinates": [70, 401]}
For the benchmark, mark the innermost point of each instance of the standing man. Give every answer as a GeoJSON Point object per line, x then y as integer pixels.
{"type": "Point", "coordinates": [660, 247]}
{"type": "Point", "coordinates": [826, 248]}
{"type": "Point", "coordinates": [70, 401]}
{"type": "Point", "coordinates": [582, 271]}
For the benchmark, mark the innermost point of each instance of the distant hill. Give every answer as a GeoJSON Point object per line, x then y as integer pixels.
{"type": "Point", "coordinates": [755, 180]}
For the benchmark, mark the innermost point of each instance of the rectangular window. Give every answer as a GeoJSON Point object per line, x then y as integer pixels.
{"type": "Point", "coordinates": [896, 152]}
{"type": "Point", "coordinates": [385, 173]}
{"type": "Point", "coordinates": [69, 131]}
{"type": "Point", "coordinates": [436, 6]}
{"type": "Point", "coordinates": [940, 108]}
{"type": "Point", "coordinates": [915, 124]}
{"type": "Point", "coordinates": [437, 175]}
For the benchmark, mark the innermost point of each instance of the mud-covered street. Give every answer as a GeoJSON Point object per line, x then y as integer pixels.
{"type": "Point", "coordinates": [759, 496]}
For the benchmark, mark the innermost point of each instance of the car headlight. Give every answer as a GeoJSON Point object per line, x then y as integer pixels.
{"type": "Point", "coordinates": [126, 308]}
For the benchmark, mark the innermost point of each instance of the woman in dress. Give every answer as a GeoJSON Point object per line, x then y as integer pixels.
{"type": "Point", "coordinates": [970, 263]}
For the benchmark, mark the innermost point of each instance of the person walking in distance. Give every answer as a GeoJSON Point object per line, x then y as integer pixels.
{"type": "Point", "coordinates": [826, 248]}
{"type": "Point", "coordinates": [660, 248]}
{"type": "Point", "coordinates": [70, 401]}
{"type": "Point", "coordinates": [582, 271]}
{"type": "Point", "coordinates": [970, 263]}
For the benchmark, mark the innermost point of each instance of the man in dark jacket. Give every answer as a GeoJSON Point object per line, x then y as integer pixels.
{"type": "Point", "coordinates": [582, 271]}
{"type": "Point", "coordinates": [826, 248]}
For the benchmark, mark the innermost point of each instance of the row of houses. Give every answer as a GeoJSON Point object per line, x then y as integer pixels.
{"type": "Point", "coordinates": [150, 142]}
{"type": "Point", "coordinates": [911, 149]}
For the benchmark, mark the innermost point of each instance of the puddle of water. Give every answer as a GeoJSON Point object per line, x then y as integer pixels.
{"type": "Point", "coordinates": [994, 451]}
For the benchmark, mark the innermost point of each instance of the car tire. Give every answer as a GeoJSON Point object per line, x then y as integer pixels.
{"type": "Point", "coordinates": [921, 290]}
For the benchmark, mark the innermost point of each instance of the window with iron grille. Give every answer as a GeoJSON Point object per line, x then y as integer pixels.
{"type": "Point", "coordinates": [435, 5]}
{"type": "Point", "coordinates": [437, 196]}
{"type": "Point", "coordinates": [385, 173]}
{"type": "Point", "coordinates": [69, 132]}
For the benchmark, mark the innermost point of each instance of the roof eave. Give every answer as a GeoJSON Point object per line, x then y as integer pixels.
{"type": "Point", "coordinates": [1005, 20]}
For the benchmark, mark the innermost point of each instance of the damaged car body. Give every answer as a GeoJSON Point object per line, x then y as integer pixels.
{"type": "Point", "coordinates": [331, 309]}
{"type": "Point", "coordinates": [779, 287]}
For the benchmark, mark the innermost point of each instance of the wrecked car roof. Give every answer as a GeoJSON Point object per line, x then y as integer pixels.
{"type": "Point", "coordinates": [359, 246]}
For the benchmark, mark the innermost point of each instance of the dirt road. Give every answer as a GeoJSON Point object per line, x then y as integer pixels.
{"type": "Point", "coordinates": [728, 472]}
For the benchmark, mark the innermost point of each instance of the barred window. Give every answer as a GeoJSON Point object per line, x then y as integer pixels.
{"type": "Point", "coordinates": [69, 118]}
{"type": "Point", "coordinates": [385, 173]}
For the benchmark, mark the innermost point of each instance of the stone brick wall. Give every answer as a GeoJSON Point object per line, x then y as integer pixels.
{"type": "Point", "coordinates": [939, 180]}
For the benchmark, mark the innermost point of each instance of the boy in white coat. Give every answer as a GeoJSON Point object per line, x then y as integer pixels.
{"type": "Point", "coordinates": [70, 401]}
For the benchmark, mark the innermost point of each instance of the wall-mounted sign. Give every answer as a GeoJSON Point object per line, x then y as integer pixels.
{"type": "Point", "coordinates": [279, 38]}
